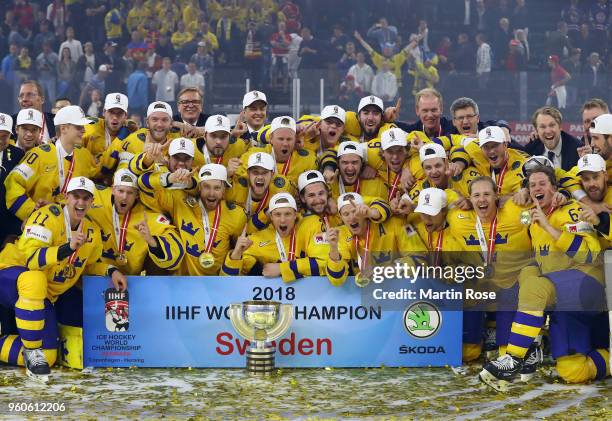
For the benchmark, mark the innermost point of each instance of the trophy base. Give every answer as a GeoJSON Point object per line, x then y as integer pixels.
{"type": "Point", "coordinates": [260, 361]}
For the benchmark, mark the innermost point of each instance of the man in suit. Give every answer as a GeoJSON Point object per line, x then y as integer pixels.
{"type": "Point", "coordinates": [9, 157]}
{"type": "Point", "coordinates": [190, 116]}
{"type": "Point", "coordinates": [32, 95]}
{"type": "Point", "coordinates": [558, 146]}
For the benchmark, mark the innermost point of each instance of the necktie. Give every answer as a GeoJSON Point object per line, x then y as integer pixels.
{"type": "Point", "coordinates": [551, 156]}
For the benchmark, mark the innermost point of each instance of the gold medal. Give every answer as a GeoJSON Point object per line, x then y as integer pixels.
{"type": "Point", "coordinates": [207, 260]}
{"type": "Point", "coordinates": [122, 259]}
{"type": "Point", "coordinates": [69, 272]}
{"type": "Point", "coordinates": [191, 201]}
{"type": "Point", "coordinates": [361, 280]}
{"type": "Point", "coordinates": [525, 217]}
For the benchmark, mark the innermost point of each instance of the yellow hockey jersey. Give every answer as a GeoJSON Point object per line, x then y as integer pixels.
{"type": "Point", "coordinates": [38, 177]}
{"type": "Point", "coordinates": [301, 160]}
{"type": "Point", "coordinates": [96, 139]}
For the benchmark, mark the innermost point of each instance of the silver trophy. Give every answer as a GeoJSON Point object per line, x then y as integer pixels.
{"type": "Point", "coordinates": [261, 322]}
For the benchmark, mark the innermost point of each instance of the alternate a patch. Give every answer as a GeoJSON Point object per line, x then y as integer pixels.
{"type": "Point", "coordinates": [232, 139]}
{"type": "Point", "coordinates": [55, 210]}
{"type": "Point", "coordinates": [243, 181]}
{"type": "Point", "coordinates": [231, 205]}
{"type": "Point", "coordinates": [141, 136]}
{"type": "Point", "coordinates": [162, 219]}
{"type": "Point", "coordinates": [24, 171]}
{"type": "Point", "coordinates": [302, 152]}
{"type": "Point", "coordinates": [279, 182]}
{"type": "Point", "coordinates": [320, 238]}
{"type": "Point", "coordinates": [410, 230]}
{"type": "Point", "coordinates": [46, 147]}
{"type": "Point", "coordinates": [579, 227]}
{"type": "Point", "coordinates": [175, 130]}
{"type": "Point", "coordinates": [457, 177]}
{"type": "Point", "coordinates": [39, 233]}
{"type": "Point", "coordinates": [516, 165]}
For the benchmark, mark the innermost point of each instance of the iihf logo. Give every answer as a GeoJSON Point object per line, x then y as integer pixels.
{"type": "Point", "coordinates": [372, 100]}
{"type": "Point", "coordinates": [585, 160]}
{"type": "Point", "coordinates": [219, 121]}
{"type": "Point", "coordinates": [258, 158]}
{"type": "Point", "coordinates": [392, 135]}
{"type": "Point", "coordinates": [31, 115]}
{"type": "Point", "coordinates": [488, 132]}
{"type": "Point", "coordinates": [82, 181]}
{"type": "Point", "coordinates": [255, 94]}
{"type": "Point", "coordinates": [335, 109]}
{"type": "Point", "coordinates": [2, 120]}
{"type": "Point", "coordinates": [118, 99]}
{"type": "Point", "coordinates": [427, 199]}
{"type": "Point", "coordinates": [182, 144]}
{"type": "Point", "coordinates": [116, 310]}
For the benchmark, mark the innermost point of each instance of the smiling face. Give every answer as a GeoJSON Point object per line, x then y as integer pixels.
{"type": "Point", "coordinates": [283, 142]}
{"type": "Point", "coordinates": [356, 224]}
{"type": "Point", "coordinates": [315, 196]}
{"type": "Point", "coordinates": [30, 97]}
{"type": "Point", "coordinates": [180, 161]}
{"type": "Point", "coordinates": [496, 153]}
{"type": "Point", "coordinates": [283, 220]}
{"type": "Point", "coordinates": [256, 114]}
{"type": "Point", "coordinates": [541, 190]}
{"type": "Point", "coordinates": [190, 105]}
{"type": "Point", "coordinates": [217, 142]}
{"type": "Point", "coordinates": [259, 180]}
{"type": "Point", "coordinates": [602, 144]}
{"type": "Point", "coordinates": [211, 193]}
{"type": "Point", "coordinates": [588, 115]}
{"type": "Point", "coordinates": [394, 157]}
{"type": "Point", "coordinates": [433, 222]}
{"type": "Point", "coordinates": [484, 199]}
{"type": "Point", "coordinates": [350, 168]}
{"type": "Point", "coordinates": [370, 119]}
{"type": "Point", "coordinates": [78, 203]}
{"type": "Point", "coordinates": [27, 136]}
{"type": "Point", "coordinates": [429, 111]}
{"type": "Point", "coordinates": [435, 171]}
{"type": "Point", "coordinates": [549, 130]}
{"type": "Point", "coordinates": [124, 198]}
{"type": "Point", "coordinates": [331, 130]}
{"type": "Point", "coordinates": [594, 184]}
{"type": "Point", "coordinates": [159, 124]}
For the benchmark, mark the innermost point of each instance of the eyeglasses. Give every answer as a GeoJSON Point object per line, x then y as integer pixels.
{"type": "Point", "coordinates": [465, 117]}
{"type": "Point", "coordinates": [190, 102]}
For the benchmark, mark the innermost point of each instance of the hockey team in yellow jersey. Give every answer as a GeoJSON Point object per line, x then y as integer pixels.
{"type": "Point", "coordinates": [334, 195]}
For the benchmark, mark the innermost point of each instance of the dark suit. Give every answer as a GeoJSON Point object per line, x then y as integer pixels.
{"type": "Point", "coordinates": [10, 224]}
{"type": "Point", "coordinates": [201, 119]}
{"type": "Point", "coordinates": [48, 125]}
{"type": "Point", "coordinates": [569, 150]}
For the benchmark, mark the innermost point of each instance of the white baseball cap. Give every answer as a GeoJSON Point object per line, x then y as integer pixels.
{"type": "Point", "coordinates": [393, 137]}
{"type": "Point", "coordinates": [103, 68]}
{"type": "Point", "coordinates": [125, 177]}
{"type": "Point", "coordinates": [80, 183]}
{"type": "Point", "coordinates": [334, 111]}
{"type": "Point", "coordinates": [217, 123]}
{"type": "Point", "coordinates": [181, 145]}
{"type": "Point", "coordinates": [309, 177]}
{"type": "Point", "coordinates": [6, 122]}
{"type": "Point", "coordinates": [349, 147]}
{"type": "Point", "coordinates": [491, 134]}
{"type": "Point", "coordinates": [282, 200]}
{"type": "Point", "coordinates": [213, 172]}
{"type": "Point", "coordinates": [162, 106]}
{"type": "Point", "coordinates": [591, 162]}
{"type": "Point", "coordinates": [251, 97]}
{"type": "Point", "coordinates": [431, 201]}
{"type": "Point", "coordinates": [602, 124]}
{"type": "Point", "coordinates": [29, 116]}
{"type": "Point", "coordinates": [282, 122]}
{"type": "Point", "coordinates": [346, 198]}
{"type": "Point", "coordinates": [116, 100]}
{"type": "Point", "coordinates": [71, 114]}
{"type": "Point", "coordinates": [261, 159]}
{"type": "Point", "coordinates": [430, 151]}
{"type": "Point", "coordinates": [370, 100]}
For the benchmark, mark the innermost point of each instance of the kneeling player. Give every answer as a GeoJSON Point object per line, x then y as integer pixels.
{"type": "Point", "coordinates": [567, 281]}
{"type": "Point", "coordinates": [58, 246]}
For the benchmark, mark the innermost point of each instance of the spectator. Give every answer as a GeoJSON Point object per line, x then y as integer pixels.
{"type": "Point", "coordinates": [384, 34]}
{"type": "Point", "coordinates": [22, 38]}
{"type": "Point", "coordinates": [521, 36]}
{"type": "Point", "coordinates": [165, 82]}
{"type": "Point", "coordinates": [425, 74]}
{"type": "Point", "coordinates": [74, 45]}
{"type": "Point", "coordinates": [138, 89]}
{"type": "Point", "coordinates": [484, 17]}
{"type": "Point", "coordinates": [137, 16]}
{"type": "Point", "coordinates": [44, 35]}
{"type": "Point", "coordinates": [501, 39]}
{"type": "Point", "coordinates": [190, 106]}
{"type": "Point", "coordinates": [463, 57]}
{"type": "Point", "coordinates": [24, 14]}
{"type": "Point", "coordinates": [87, 63]}
{"type": "Point", "coordinates": [290, 13]}
{"type": "Point", "coordinates": [362, 73]}
{"type": "Point", "coordinates": [350, 93]}
{"type": "Point", "coordinates": [442, 52]}
{"type": "Point", "coordinates": [178, 66]}
{"type": "Point", "coordinates": [192, 78]}
{"type": "Point", "coordinates": [66, 71]}
{"type": "Point", "coordinates": [311, 50]}
{"type": "Point", "coordinates": [98, 82]}
{"type": "Point", "coordinates": [137, 48]}
{"type": "Point", "coordinates": [31, 95]}
{"type": "Point", "coordinates": [348, 59]}
{"type": "Point", "coordinates": [208, 37]}
{"type": "Point", "coordinates": [113, 22]}
{"type": "Point", "coordinates": [116, 66]}
{"type": "Point", "coordinates": [585, 41]}
{"type": "Point", "coordinates": [520, 16]}
{"type": "Point", "coordinates": [483, 62]}
{"type": "Point", "coordinates": [25, 66]}
{"type": "Point", "coordinates": [573, 65]}
{"type": "Point", "coordinates": [153, 60]}
{"type": "Point", "coordinates": [202, 58]}
{"type": "Point", "coordinates": [515, 61]}
{"type": "Point", "coordinates": [227, 34]}
{"type": "Point", "coordinates": [59, 104]}
{"type": "Point", "coordinates": [384, 84]}
{"type": "Point", "coordinates": [338, 43]}
{"type": "Point", "coordinates": [594, 76]}
{"type": "Point", "coordinates": [164, 47]}
{"type": "Point", "coordinates": [253, 54]}
{"type": "Point", "coordinates": [558, 41]}
{"type": "Point", "coordinates": [293, 59]}
{"type": "Point", "coordinates": [93, 104]}
{"type": "Point", "coordinates": [599, 17]}
{"type": "Point", "coordinates": [280, 49]}
{"type": "Point", "coordinates": [573, 16]}
{"type": "Point", "coordinates": [9, 68]}
{"type": "Point", "coordinates": [181, 37]}
{"type": "Point", "coordinates": [46, 64]}
{"type": "Point", "coordinates": [56, 14]}
{"type": "Point", "coordinates": [94, 15]}
{"type": "Point", "coordinates": [558, 78]}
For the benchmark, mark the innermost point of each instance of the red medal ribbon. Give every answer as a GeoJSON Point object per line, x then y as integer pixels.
{"type": "Point", "coordinates": [366, 250]}
{"type": "Point", "coordinates": [69, 175]}
{"type": "Point", "coordinates": [393, 189]}
{"type": "Point", "coordinates": [214, 229]}
{"type": "Point", "coordinates": [262, 202]}
{"type": "Point", "coordinates": [438, 249]}
{"type": "Point", "coordinates": [491, 241]}
{"type": "Point", "coordinates": [286, 167]}
{"type": "Point", "coordinates": [292, 242]}
{"type": "Point", "coordinates": [123, 231]}
{"type": "Point", "coordinates": [500, 179]}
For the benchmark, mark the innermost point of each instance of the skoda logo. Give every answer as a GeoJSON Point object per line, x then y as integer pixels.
{"type": "Point", "coordinates": [422, 320]}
